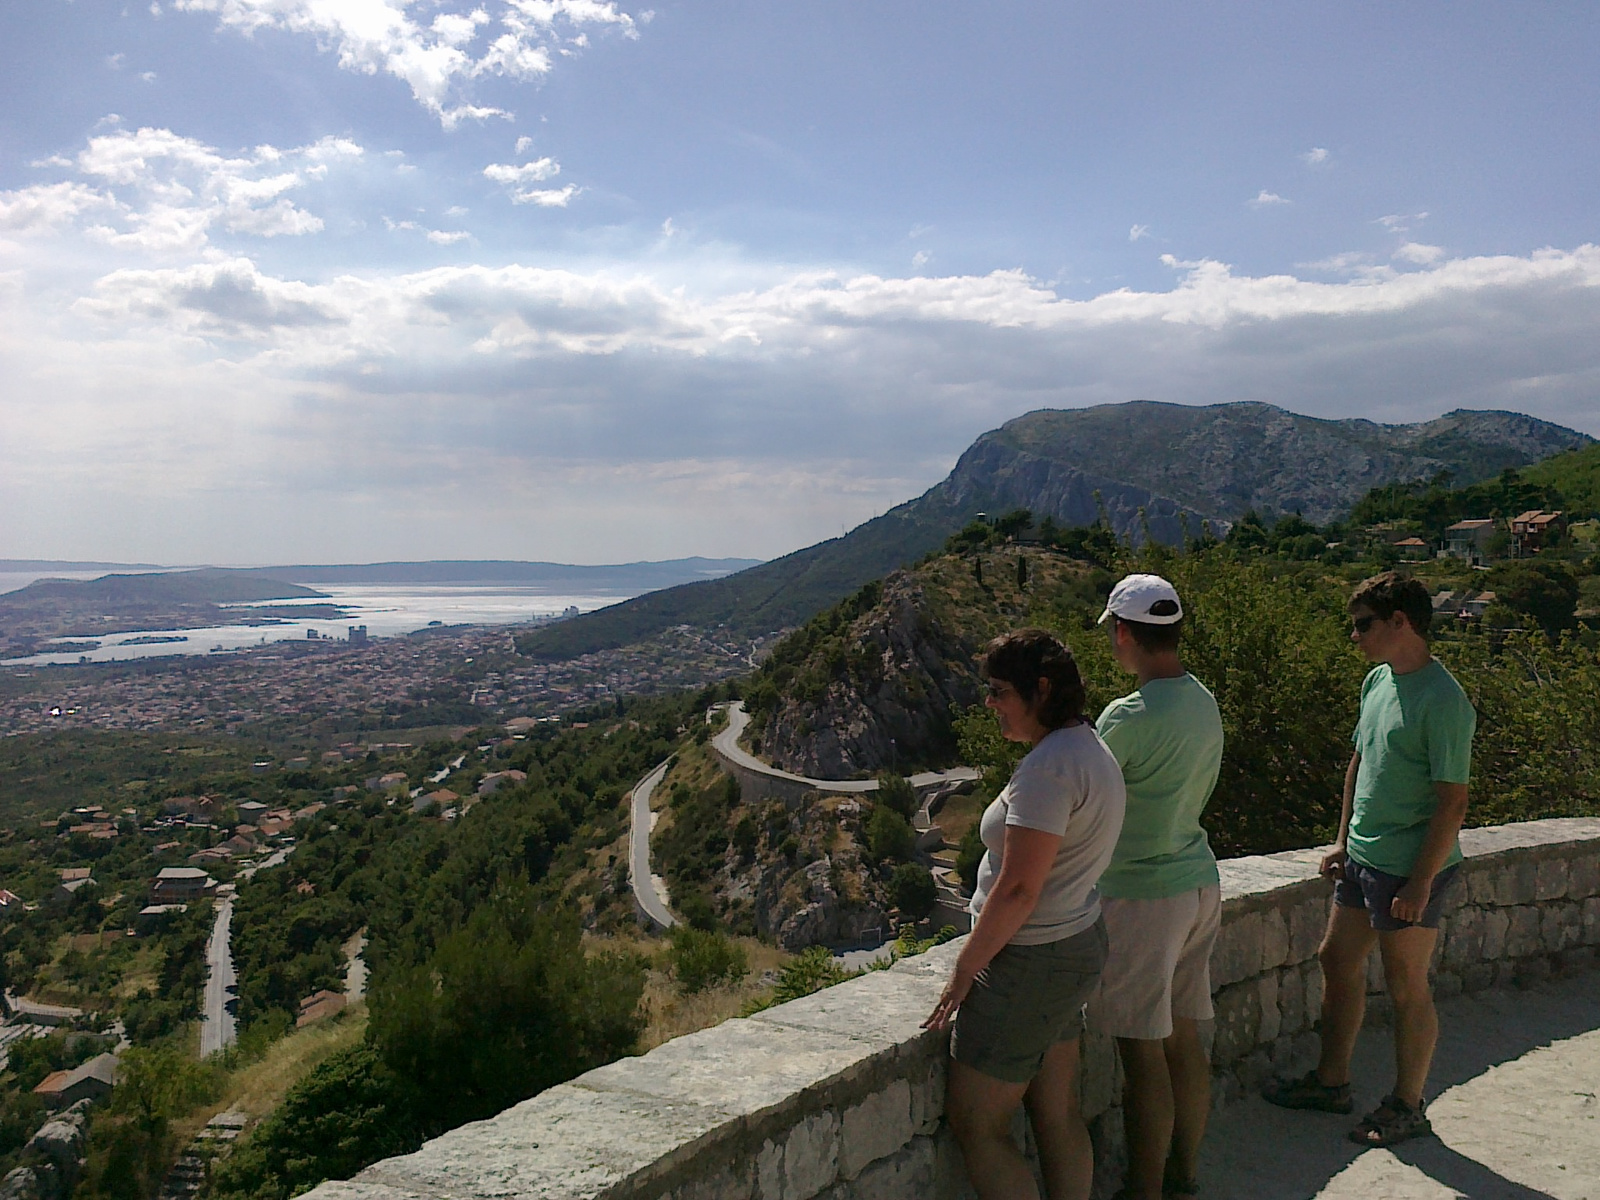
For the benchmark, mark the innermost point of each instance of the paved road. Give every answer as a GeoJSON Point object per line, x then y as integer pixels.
{"type": "Point", "coordinates": [217, 1025]}
{"type": "Point", "coordinates": [728, 743]}
{"type": "Point", "coordinates": [1516, 1113]}
{"type": "Point", "coordinates": [645, 885]}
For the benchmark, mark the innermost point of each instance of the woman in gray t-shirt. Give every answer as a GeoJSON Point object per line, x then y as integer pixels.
{"type": "Point", "coordinates": [1015, 998]}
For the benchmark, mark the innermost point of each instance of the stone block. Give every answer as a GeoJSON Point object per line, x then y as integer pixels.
{"type": "Point", "coordinates": [1532, 970]}
{"type": "Point", "coordinates": [1505, 973]}
{"type": "Point", "coordinates": [1274, 939]}
{"type": "Point", "coordinates": [806, 1163]}
{"type": "Point", "coordinates": [1237, 953]}
{"type": "Point", "coordinates": [589, 1142]}
{"type": "Point", "coordinates": [1291, 1001]}
{"type": "Point", "coordinates": [879, 1126]}
{"type": "Point", "coordinates": [907, 1174]}
{"type": "Point", "coordinates": [1496, 924]}
{"type": "Point", "coordinates": [950, 1180]}
{"type": "Point", "coordinates": [1482, 883]}
{"type": "Point", "coordinates": [1560, 926]}
{"type": "Point", "coordinates": [1380, 1012]}
{"type": "Point", "coordinates": [1591, 921]}
{"type": "Point", "coordinates": [1375, 981]}
{"type": "Point", "coordinates": [1238, 1022]}
{"type": "Point", "coordinates": [927, 1098]}
{"type": "Point", "coordinates": [1583, 876]}
{"type": "Point", "coordinates": [1254, 1070]}
{"type": "Point", "coordinates": [1313, 992]}
{"type": "Point", "coordinates": [1550, 879]}
{"type": "Point", "coordinates": [1579, 958]}
{"type": "Point", "coordinates": [1098, 1081]}
{"type": "Point", "coordinates": [1522, 938]}
{"type": "Point", "coordinates": [728, 1183]}
{"type": "Point", "coordinates": [1307, 922]}
{"type": "Point", "coordinates": [1267, 988]}
{"type": "Point", "coordinates": [1477, 976]}
{"type": "Point", "coordinates": [1446, 983]}
{"type": "Point", "coordinates": [1516, 882]}
{"type": "Point", "coordinates": [1463, 938]}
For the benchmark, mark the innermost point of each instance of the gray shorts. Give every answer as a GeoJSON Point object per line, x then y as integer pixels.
{"type": "Point", "coordinates": [1025, 1001]}
{"type": "Point", "coordinates": [1361, 886]}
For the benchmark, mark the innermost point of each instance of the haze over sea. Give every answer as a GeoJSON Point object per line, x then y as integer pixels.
{"type": "Point", "coordinates": [387, 610]}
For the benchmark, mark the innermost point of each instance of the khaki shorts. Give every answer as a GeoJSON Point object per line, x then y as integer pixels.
{"type": "Point", "coordinates": [1025, 1001]}
{"type": "Point", "coordinates": [1160, 963]}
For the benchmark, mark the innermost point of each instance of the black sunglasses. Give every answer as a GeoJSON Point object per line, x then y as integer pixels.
{"type": "Point", "coordinates": [1362, 624]}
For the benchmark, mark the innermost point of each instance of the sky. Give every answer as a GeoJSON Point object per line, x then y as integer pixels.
{"type": "Point", "coordinates": [583, 281]}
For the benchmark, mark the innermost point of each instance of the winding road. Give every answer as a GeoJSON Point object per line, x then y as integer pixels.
{"type": "Point", "coordinates": [218, 1027]}
{"type": "Point", "coordinates": [727, 743]}
{"type": "Point", "coordinates": [645, 885]}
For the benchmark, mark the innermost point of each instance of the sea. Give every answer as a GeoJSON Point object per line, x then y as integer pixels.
{"type": "Point", "coordinates": [387, 610]}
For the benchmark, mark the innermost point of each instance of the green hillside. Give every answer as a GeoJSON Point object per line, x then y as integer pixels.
{"type": "Point", "coordinates": [1576, 475]}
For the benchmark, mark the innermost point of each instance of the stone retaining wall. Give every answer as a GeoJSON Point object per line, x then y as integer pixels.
{"type": "Point", "coordinates": [840, 1095]}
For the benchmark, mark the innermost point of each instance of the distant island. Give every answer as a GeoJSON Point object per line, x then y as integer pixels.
{"type": "Point", "coordinates": [151, 639]}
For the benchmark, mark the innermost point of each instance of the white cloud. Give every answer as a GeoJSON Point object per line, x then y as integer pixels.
{"type": "Point", "coordinates": [431, 392]}
{"type": "Point", "coordinates": [154, 190]}
{"type": "Point", "coordinates": [438, 59]}
{"type": "Point", "coordinates": [1266, 199]}
{"type": "Point", "coordinates": [920, 259]}
{"type": "Point", "coordinates": [546, 197]}
{"type": "Point", "coordinates": [1395, 223]}
{"type": "Point", "coordinates": [147, 76]}
{"type": "Point", "coordinates": [1138, 231]}
{"type": "Point", "coordinates": [1420, 254]}
{"type": "Point", "coordinates": [115, 61]}
{"type": "Point", "coordinates": [1315, 156]}
{"type": "Point", "coordinates": [524, 144]}
{"type": "Point", "coordinates": [534, 172]}
{"type": "Point", "coordinates": [443, 237]}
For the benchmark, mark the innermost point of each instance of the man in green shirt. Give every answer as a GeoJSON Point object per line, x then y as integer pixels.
{"type": "Point", "coordinates": [1160, 895]}
{"type": "Point", "coordinates": [1405, 796]}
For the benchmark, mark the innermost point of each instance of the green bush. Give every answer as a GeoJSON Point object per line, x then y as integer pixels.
{"type": "Point", "coordinates": [889, 835]}
{"type": "Point", "coordinates": [506, 1006]}
{"type": "Point", "coordinates": [970, 856]}
{"type": "Point", "coordinates": [809, 971]}
{"type": "Point", "coordinates": [896, 792]}
{"type": "Point", "coordinates": [912, 890]}
{"type": "Point", "coordinates": [347, 1112]}
{"type": "Point", "coordinates": [703, 959]}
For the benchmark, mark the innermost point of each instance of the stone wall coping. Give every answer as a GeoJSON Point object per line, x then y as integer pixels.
{"type": "Point", "coordinates": [715, 1103]}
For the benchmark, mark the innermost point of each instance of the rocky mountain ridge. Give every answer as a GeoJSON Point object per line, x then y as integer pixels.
{"type": "Point", "coordinates": [1165, 466]}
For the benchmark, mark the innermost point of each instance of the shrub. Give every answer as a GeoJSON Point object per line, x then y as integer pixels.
{"type": "Point", "coordinates": [970, 857]}
{"type": "Point", "coordinates": [702, 959]}
{"type": "Point", "coordinates": [506, 1006]}
{"type": "Point", "coordinates": [347, 1112]}
{"type": "Point", "coordinates": [896, 792]}
{"type": "Point", "coordinates": [889, 835]}
{"type": "Point", "coordinates": [912, 890]}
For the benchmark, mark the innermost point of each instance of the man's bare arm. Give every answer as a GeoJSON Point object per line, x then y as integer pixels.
{"type": "Point", "coordinates": [1443, 828]}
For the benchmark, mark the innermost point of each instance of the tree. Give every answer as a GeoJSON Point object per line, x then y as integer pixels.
{"type": "Point", "coordinates": [1545, 591]}
{"type": "Point", "coordinates": [896, 791]}
{"type": "Point", "coordinates": [889, 835]}
{"type": "Point", "coordinates": [507, 1006]}
{"type": "Point", "coordinates": [912, 890]}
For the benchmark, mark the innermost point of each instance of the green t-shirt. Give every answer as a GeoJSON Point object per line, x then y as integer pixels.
{"type": "Point", "coordinates": [1415, 730]}
{"type": "Point", "coordinates": [1167, 737]}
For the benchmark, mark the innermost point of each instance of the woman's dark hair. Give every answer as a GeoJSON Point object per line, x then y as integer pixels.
{"type": "Point", "coordinates": [1026, 656]}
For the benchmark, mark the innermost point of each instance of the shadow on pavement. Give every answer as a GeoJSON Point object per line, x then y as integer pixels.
{"type": "Point", "coordinates": [1255, 1151]}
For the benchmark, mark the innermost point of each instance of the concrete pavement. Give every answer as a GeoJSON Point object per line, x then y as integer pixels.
{"type": "Point", "coordinates": [1515, 1111]}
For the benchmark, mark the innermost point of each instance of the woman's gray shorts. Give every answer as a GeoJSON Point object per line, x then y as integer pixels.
{"type": "Point", "coordinates": [1026, 1000]}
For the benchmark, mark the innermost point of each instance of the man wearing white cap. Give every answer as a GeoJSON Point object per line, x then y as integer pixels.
{"type": "Point", "coordinates": [1161, 894]}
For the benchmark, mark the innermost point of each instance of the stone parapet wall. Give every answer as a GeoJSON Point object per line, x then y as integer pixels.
{"type": "Point", "coordinates": [840, 1095]}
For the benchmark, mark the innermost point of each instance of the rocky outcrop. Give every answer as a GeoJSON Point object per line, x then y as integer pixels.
{"type": "Point", "coordinates": [891, 703]}
{"type": "Point", "coordinates": [804, 882]}
{"type": "Point", "coordinates": [52, 1159]}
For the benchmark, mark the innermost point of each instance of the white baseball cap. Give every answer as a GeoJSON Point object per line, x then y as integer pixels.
{"type": "Point", "coordinates": [1148, 599]}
